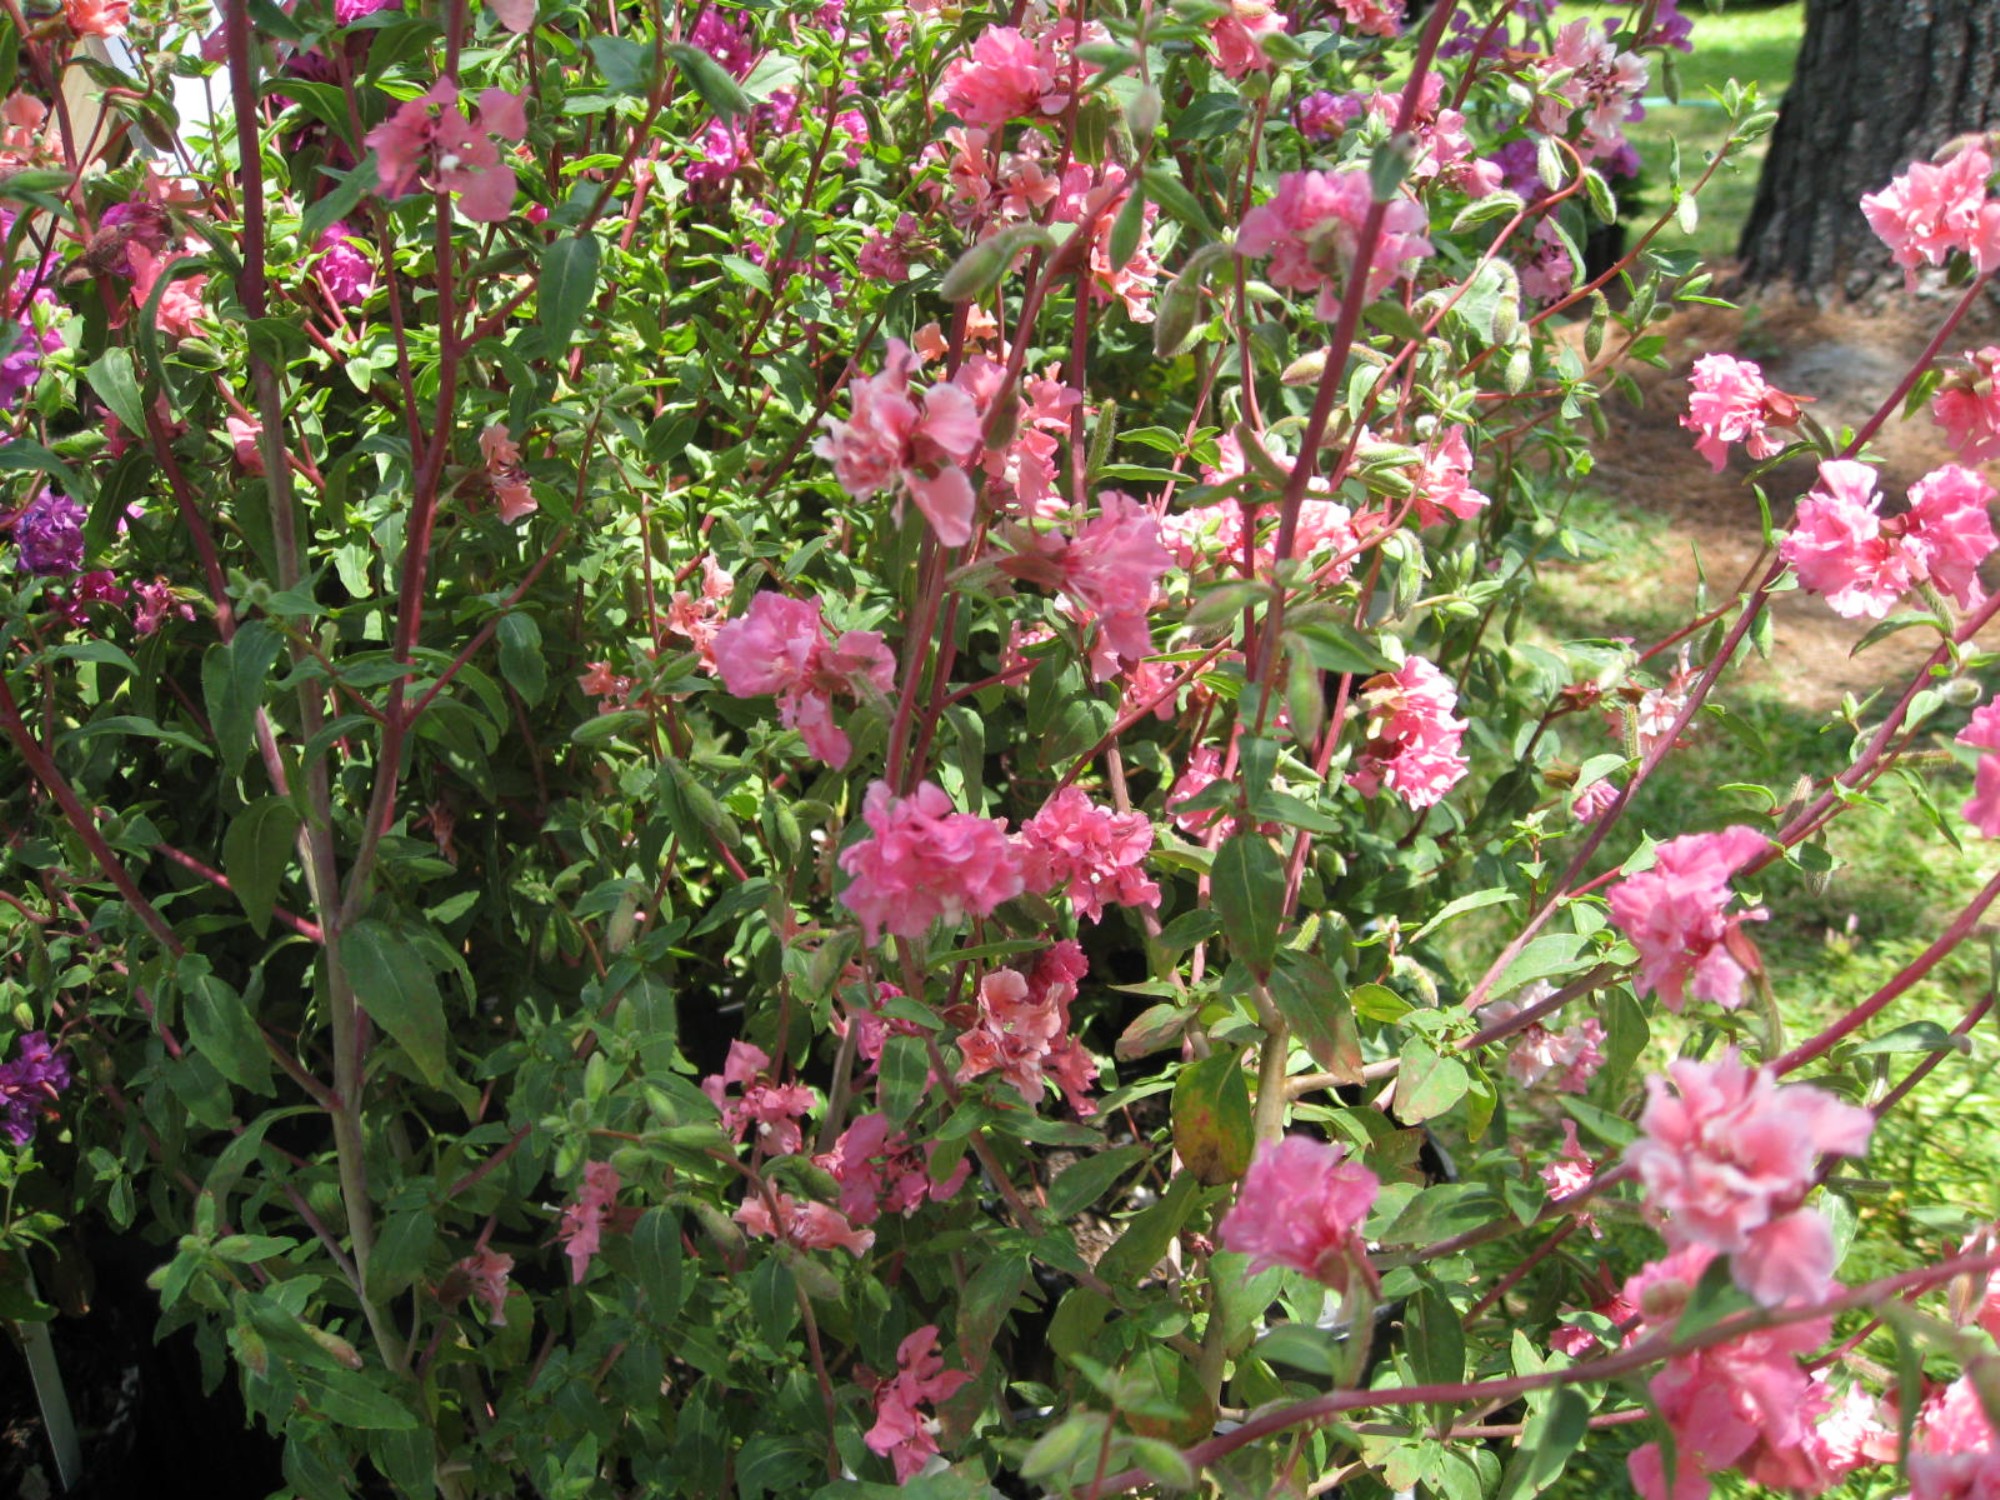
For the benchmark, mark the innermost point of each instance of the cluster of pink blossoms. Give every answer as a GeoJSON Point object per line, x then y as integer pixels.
{"type": "Point", "coordinates": [1311, 230]}
{"type": "Point", "coordinates": [1728, 1156]}
{"type": "Point", "coordinates": [1967, 407]}
{"type": "Point", "coordinates": [1565, 1061]}
{"type": "Point", "coordinates": [1586, 74]}
{"type": "Point", "coordinates": [1842, 546]}
{"type": "Point", "coordinates": [697, 616]}
{"type": "Point", "coordinates": [780, 647]}
{"type": "Point", "coordinates": [801, 1222]}
{"type": "Point", "coordinates": [1982, 809]}
{"type": "Point", "coordinates": [926, 862]}
{"type": "Point", "coordinates": [1099, 853]}
{"type": "Point", "coordinates": [1442, 484]}
{"type": "Point", "coordinates": [482, 1274]}
{"type": "Point", "coordinates": [1443, 151]}
{"type": "Point", "coordinates": [461, 150]}
{"type": "Point", "coordinates": [1109, 573]}
{"type": "Point", "coordinates": [909, 444]}
{"type": "Point", "coordinates": [1023, 1030]}
{"type": "Point", "coordinates": [880, 1171]}
{"type": "Point", "coordinates": [1238, 36]}
{"type": "Point", "coordinates": [1015, 74]}
{"type": "Point", "coordinates": [1674, 915]}
{"type": "Point", "coordinates": [902, 1433]}
{"type": "Point", "coordinates": [504, 471]}
{"type": "Point", "coordinates": [584, 1221]}
{"type": "Point", "coordinates": [773, 1109]}
{"type": "Point", "coordinates": [1302, 1205]}
{"type": "Point", "coordinates": [1413, 741]}
{"type": "Point", "coordinates": [1731, 403]}
{"type": "Point", "coordinates": [1932, 210]}
{"type": "Point", "coordinates": [1745, 1404]}
{"type": "Point", "coordinates": [1956, 1455]}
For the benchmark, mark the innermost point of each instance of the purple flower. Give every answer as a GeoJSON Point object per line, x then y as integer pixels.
{"type": "Point", "coordinates": [1322, 115]}
{"type": "Point", "coordinates": [728, 44]}
{"type": "Point", "coordinates": [48, 536]}
{"type": "Point", "coordinates": [29, 1083]}
{"type": "Point", "coordinates": [344, 266]}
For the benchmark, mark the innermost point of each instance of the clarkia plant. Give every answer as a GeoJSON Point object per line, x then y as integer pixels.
{"type": "Point", "coordinates": [788, 750]}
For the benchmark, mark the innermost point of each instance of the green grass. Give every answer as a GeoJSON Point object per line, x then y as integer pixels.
{"type": "Point", "coordinates": [1752, 46]}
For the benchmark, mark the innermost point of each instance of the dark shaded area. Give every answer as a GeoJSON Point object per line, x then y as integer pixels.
{"type": "Point", "coordinates": [1879, 83]}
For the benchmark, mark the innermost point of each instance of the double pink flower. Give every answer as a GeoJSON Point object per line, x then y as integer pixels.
{"type": "Point", "coordinates": [905, 442]}
{"type": "Point", "coordinates": [780, 647]}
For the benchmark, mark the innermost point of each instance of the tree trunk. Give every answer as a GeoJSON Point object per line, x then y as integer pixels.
{"type": "Point", "coordinates": [1879, 84]}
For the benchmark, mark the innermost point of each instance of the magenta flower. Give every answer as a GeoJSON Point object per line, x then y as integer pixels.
{"type": "Point", "coordinates": [1727, 1159]}
{"type": "Point", "coordinates": [926, 862]}
{"type": "Point", "coordinates": [48, 536]}
{"type": "Point", "coordinates": [773, 1109]}
{"type": "Point", "coordinates": [1730, 403]}
{"type": "Point", "coordinates": [1311, 229]}
{"type": "Point", "coordinates": [1673, 913]}
{"type": "Point", "coordinates": [780, 647]}
{"type": "Point", "coordinates": [1023, 1030]}
{"type": "Point", "coordinates": [1301, 1205]}
{"type": "Point", "coordinates": [1413, 741]}
{"type": "Point", "coordinates": [908, 445]}
{"type": "Point", "coordinates": [344, 267]}
{"type": "Point", "coordinates": [1100, 854]}
{"type": "Point", "coordinates": [1931, 210]}
{"type": "Point", "coordinates": [29, 1086]}
{"type": "Point", "coordinates": [902, 1433]}
{"type": "Point", "coordinates": [582, 1228]}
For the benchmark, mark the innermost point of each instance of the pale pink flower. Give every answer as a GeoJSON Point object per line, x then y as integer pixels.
{"type": "Point", "coordinates": [773, 1109]}
{"type": "Point", "coordinates": [518, 16]}
{"type": "Point", "coordinates": [1237, 36]}
{"type": "Point", "coordinates": [915, 445]}
{"type": "Point", "coordinates": [780, 647]}
{"type": "Point", "coordinates": [1023, 1030]}
{"type": "Point", "coordinates": [502, 457]}
{"type": "Point", "coordinates": [1443, 480]}
{"type": "Point", "coordinates": [1311, 229]}
{"type": "Point", "coordinates": [1728, 1157]}
{"type": "Point", "coordinates": [486, 1271]}
{"type": "Point", "coordinates": [1570, 1173]}
{"type": "Point", "coordinates": [1100, 854]}
{"type": "Point", "coordinates": [1443, 152]}
{"type": "Point", "coordinates": [880, 1171]}
{"type": "Point", "coordinates": [1585, 73]}
{"type": "Point", "coordinates": [1947, 531]}
{"type": "Point", "coordinates": [902, 1433]}
{"type": "Point", "coordinates": [1954, 1456]}
{"type": "Point", "coordinates": [1852, 1434]}
{"type": "Point", "coordinates": [1730, 403]}
{"type": "Point", "coordinates": [1301, 1205]}
{"type": "Point", "coordinates": [926, 862]}
{"type": "Point", "coordinates": [1931, 210]}
{"type": "Point", "coordinates": [583, 1221]}
{"type": "Point", "coordinates": [1674, 915]}
{"type": "Point", "coordinates": [1412, 746]}
{"type": "Point", "coordinates": [1110, 572]}
{"type": "Point", "coordinates": [1537, 1057]}
{"type": "Point", "coordinates": [809, 1225]}
{"type": "Point", "coordinates": [1967, 407]}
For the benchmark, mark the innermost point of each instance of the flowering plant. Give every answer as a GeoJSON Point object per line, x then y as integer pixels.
{"type": "Point", "coordinates": [755, 745]}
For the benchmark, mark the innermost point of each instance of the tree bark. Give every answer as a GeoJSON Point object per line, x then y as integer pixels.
{"type": "Point", "coordinates": [1879, 84]}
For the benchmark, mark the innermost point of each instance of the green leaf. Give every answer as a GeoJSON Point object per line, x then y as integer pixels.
{"type": "Point", "coordinates": [569, 281]}
{"type": "Point", "coordinates": [1148, 1234]}
{"type": "Point", "coordinates": [1080, 1186]}
{"type": "Point", "coordinates": [349, 1400]}
{"type": "Point", "coordinates": [521, 656]}
{"type": "Point", "coordinates": [1437, 1338]}
{"type": "Point", "coordinates": [1212, 1129]}
{"type": "Point", "coordinates": [394, 984]}
{"type": "Point", "coordinates": [710, 80]}
{"type": "Point", "coordinates": [627, 64]}
{"type": "Point", "coordinates": [1552, 1435]}
{"type": "Point", "coordinates": [233, 678]}
{"type": "Point", "coordinates": [222, 1029]}
{"type": "Point", "coordinates": [1377, 1002]}
{"type": "Point", "coordinates": [656, 1258]}
{"type": "Point", "coordinates": [905, 1074]}
{"type": "Point", "coordinates": [1308, 996]}
{"type": "Point", "coordinates": [115, 379]}
{"type": "Point", "coordinates": [256, 852]}
{"type": "Point", "coordinates": [1247, 886]}
{"type": "Point", "coordinates": [1427, 1085]}
{"type": "Point", "coordinates": [1459, 908]}
{"type": "Point", "coordinates": [402, 1250]}
{"type": "Point", "coordinates": [1715, 1297]}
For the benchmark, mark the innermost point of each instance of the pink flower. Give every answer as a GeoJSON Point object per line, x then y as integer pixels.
{"type": "Point", "coordinates": [97, 17]}
{"type": "Point", "coordinates": [1730, 403]}
{"type": "Point", "coordinates": [780, 647]}
{"type": "Point", "coordinates": [1372, 17]}
{"type": "Point", "coordinates": [880, 1171]}
{"type": "Point", "coordinates": [1571, 1173]}
{"type": "Point", "coordinates": [1590, 804]}
{"type": "Point", "coordinates": [180, 303]}
{"type": "Point", "coordinates": [1301, 1205]}
{"type": "Point", "coordinates": [1538, 1057]}
{"type": "Point", "coordinates": [502, 456]}
{"type": "Point", "coordinates": [157, 602]}
{"type": "Point", "coordinates": [1443, 480]}
{"type": "Point", "coordinates": [1954, 1456]}
{"type": "Point", "coordinates": [518, 16]}
{"type": "Point", "coordinates": [1237, 36]}
{"type": "Point", "coordinates": [698, 617]}
{"type": "Point", "coordinates": [1930, 211]}
{"type": "Point", "coordinates": [891, 441]}
{"type": "Point", "coordinates": [1004, 79]}
{"type": "Point", "coordinates": [583, 1221]}
{"type": "Point", "coordinates": [1099, 853]}
{"type": "Point", "coordinates": [926, 862]}
{"type": "Point", "coordinates": [774, 1109]}
{"type": "Point", "coordinates": [1947, 532]}
{"type": "Point", "coordinates": [1112, 568]}
{"type": "Point", "coordinates": [486, 1271]}
{"type": "Point", "coordinates": [1585, 72]}
{"type": "Point", "coordinates": [902, 1433]}
{"type": "Point", "coordinates": [244, 436]}
{"type": "Point", "coordinates": [1852, 1434]}
{"type": "Point", "coordinates": [1202, 770]}
{"type": "Point", "coordinates": [461, 149]}
{"type": "Point", "coordinates": [1983, 733]}
{"type": "Point", "coordinates": [1673, 913]}
{"type": "Point", "coordinates": [809, 1225]}
{"type": "Point", "coordinates": [1413, 740]}
{"type": "Point", "coordinates": [1311, 229]}
{"type": "Point", "coordinates": [1727, 1158]}
{"type": "Point", "coordinates": [1967, 407]}
{"type": "Point", "coordinates": [1023, 1030]}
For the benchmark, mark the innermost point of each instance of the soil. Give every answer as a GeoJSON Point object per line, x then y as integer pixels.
{"type": "Point", "coordinates": [1848, 359]}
